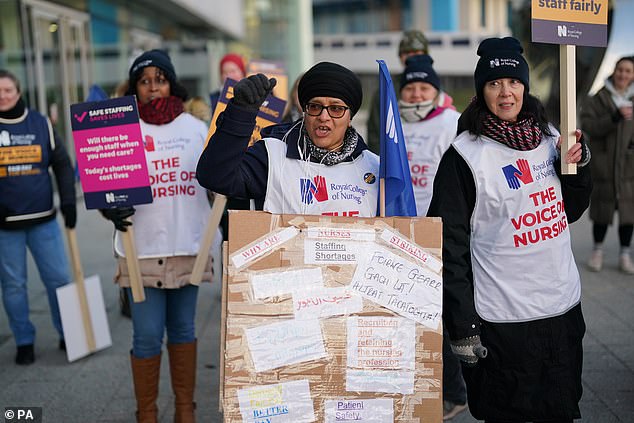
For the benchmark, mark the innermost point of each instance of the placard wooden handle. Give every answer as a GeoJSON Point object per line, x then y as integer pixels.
{"type": "Point", "coordinates": [220, 201]}
{"type": "Point", "coordinates": [81, 289]}
{"type": "Point", "coordinates": [568, 105]}
{"type": "Point", "coordinates": [134, 272]}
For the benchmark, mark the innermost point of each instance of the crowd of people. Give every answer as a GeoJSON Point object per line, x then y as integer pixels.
{"type": "Point", "coordinates": [513, 331]}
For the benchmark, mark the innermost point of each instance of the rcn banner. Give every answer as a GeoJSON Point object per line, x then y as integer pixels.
{"type": "Point", "coordinates": [573, 22]}
{"type": "Point", "coordinates": [110, 153]}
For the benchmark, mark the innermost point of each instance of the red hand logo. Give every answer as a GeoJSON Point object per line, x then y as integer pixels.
{"type": "Point", "coordinates": [525, 173]}
{"type": "Point", "coordinates": [321, 192]}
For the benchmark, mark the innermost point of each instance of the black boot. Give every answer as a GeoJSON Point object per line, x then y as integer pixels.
{"type": "Point", "coordinates": [25, 355]}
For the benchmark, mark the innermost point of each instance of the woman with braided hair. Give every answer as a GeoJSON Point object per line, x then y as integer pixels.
{"type": "Point", "coordinates": [511, 286]}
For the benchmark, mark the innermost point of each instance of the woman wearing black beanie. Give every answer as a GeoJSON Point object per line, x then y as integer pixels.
{"type": "Point", "coordinates": [318, 164]}
{"type": "Point", "coordinates": [167, 236]}
{"type": "Point", "coordinates": [511, 287]}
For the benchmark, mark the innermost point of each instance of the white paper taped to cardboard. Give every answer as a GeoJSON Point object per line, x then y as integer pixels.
{"type": "Point", "coordinates": [399, 284]}
{"type": "Point", "coordinates": [408, 247]}
{"type": "Point", "coordinates": [325, 302]}
{"type": "Point", "coordinates": [285, 281]}
{"type": "Point", "coordinates": [376, 410]}
{"type": "Point", "coordinates": [284, 343]}
{"type": "Point", "coordinates": [263, 246]}
{"type": "Point", "coordinates": [377, 342]}
{"type": "Point", "coordinates": [327, 252]}
{"type": "Point", "coordinates": [288, 402]}
{"type": "Point", "coordinates": [386, 381]}
{"type": "Point", "coordinates": [355, 234]}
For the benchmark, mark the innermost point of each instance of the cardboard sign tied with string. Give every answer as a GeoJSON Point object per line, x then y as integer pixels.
{"type": "Point", "coordinates": [569, 23]}
{"type": "Point", "coordinates": [113, 171]}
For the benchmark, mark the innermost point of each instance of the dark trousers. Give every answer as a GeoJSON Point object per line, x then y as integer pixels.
{"type": "Point", "coordinates": [453, 386]}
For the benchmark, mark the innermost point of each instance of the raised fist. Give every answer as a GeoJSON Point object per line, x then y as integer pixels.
{"type": "Point", "coordinates": [249, 93]}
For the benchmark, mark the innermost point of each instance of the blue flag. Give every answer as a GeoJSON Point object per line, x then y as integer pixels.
{"type": "Point", "coordinates": [96, 93]}
{"type": "Point", "coordinates": [399, 194]}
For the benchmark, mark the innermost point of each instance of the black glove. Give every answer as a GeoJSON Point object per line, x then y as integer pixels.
{"type": "Point", "coordinates": [468, 350]}
{"type": "Point", "coordinates": [69, 211]}
{"type": "Point", "coordinates": [250, 92]}
{"type": "Point", "coordinates": [585, 151]}
{"type": "Point", "coordinates": [118, 216]}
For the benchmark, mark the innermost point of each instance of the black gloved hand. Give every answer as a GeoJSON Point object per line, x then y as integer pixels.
{"type": "Point", "coordinates": [69, 211]}
{"type": "Point", "coordinates": [118, 216]}
{"type": "Point", "coordinates": [468, 350]}
{"type": "Point", "coordinates": [250, 92]}
{"type": "Point", "coordinates": [585, 150]}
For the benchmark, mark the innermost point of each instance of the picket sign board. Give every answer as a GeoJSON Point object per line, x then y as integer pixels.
{"type": "Point", "coordinates": [272, 69]}
{"type": "Point", "coordinates": [569, 23]}
{"type": "Point", "coordinates": [74, 325]}
{"type": "Point", "coordinates": [110, 154]}
{"type": "Point", "coordinates": [82, 309]}
{"type": "Point", "coordinates": [270, 112]}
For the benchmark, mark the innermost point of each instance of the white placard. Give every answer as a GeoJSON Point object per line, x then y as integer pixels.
{"type": "Point", "coordinates": [288, 402]}
{"type": "Point", "coordinates": [399, 285]}
{"type": "Point", "coordinates": [284, 343]}
{"type": "Point", "coordinates": [270, 284]}
{"type": "Point", "coordinates": [377, 342]}
{"type": "Point", "coordinates": [353, 234]}
{"type": "Point", "coordinates": [376, 410]}
{"type": "Point", "coordinates": [271, 242]}
{"type": "Point", "coordinates": [386, 381]}
{"type": "Point", "coordinates": [325, 302]}
{"type": "Point", "coordinates": [326, 252]}
{"type": "Point", "coordinates": [416, 251]}
{"type": "Point", "coordinates": [72, 323]}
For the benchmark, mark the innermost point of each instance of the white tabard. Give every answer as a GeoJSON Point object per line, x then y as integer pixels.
{"type": "Point", "coordinates": [523, 266]}
{"type": "Point", "coordinates": [173, 224]}
{"type": "Point", "coordinates": [426, 142]}
{"type": "Point", "coordinates": [301, 187]}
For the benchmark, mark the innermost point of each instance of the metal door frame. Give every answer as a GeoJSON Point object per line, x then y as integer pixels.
{"type": "Point", "coordinates": [68, 20]}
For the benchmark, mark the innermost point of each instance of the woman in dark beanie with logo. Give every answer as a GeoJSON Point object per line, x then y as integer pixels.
{"type": "Point", "coordinates": [295, 166]}
{"type": "Point", "coordinates": [167, 235]}
{"type": "Point", "coordinates": [511, 287]}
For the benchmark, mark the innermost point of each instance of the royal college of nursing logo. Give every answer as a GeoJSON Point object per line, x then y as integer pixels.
{"type": "Point", "coordinates": [521, 173]}
{"type": "Point", "coordinates": [315, 189]}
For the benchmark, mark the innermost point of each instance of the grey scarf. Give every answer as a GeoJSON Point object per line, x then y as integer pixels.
{"type": "Point", "coordinates": [331, 158]}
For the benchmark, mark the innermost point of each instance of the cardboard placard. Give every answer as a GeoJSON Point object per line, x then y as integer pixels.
{"type": "Point", "coordinates": [360, 361]}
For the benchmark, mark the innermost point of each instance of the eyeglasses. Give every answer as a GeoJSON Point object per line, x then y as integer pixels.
{"type": "Point", "coordinates": [334, 110]}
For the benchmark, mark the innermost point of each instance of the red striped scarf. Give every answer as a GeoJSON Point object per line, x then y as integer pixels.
{"type": "Point", "coordinates": [522, 135]}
